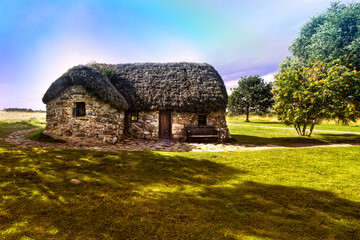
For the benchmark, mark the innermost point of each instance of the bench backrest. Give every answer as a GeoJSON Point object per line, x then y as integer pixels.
{"type": "Point", "coordinates": [203, 130]}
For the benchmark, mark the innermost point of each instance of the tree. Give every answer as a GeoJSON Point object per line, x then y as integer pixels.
{"type": "Point", "coordinates": [330, 35]}
{"type": "Point", "coordinates": [323, 90]}
{"type": "Point", "coordinates": [251, 95]}
{"type": "Point", "coordinates": [321, 80]}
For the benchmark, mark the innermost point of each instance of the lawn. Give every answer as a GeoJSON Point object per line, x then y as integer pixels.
{"type": "Point", "coordinates": [273, 122]}
{"type": "Point", "coordinates": [262, 131]}
{"type": "Point", "coordinates": [255, 135]}
{"type": "Point", "coordinates": [293, 193]}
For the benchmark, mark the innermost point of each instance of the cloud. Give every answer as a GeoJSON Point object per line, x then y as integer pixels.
{"type": "Point", "coordinates": [231, 84]}
{"type": "Point", "coordinates": [237, 76]}
{"type": "Point", "coordinates": [269, 77]}
{"type": "Point", "coordinates": [231, 80]}
{"type": "Point", "coordinates": [233, 76]}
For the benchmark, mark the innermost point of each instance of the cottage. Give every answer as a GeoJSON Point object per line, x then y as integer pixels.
{"type": "Point", "coordinates": [99, 102]}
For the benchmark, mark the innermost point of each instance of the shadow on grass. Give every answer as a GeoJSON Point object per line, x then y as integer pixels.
{"type": "Point", "coordinates": [325, 139]}
{"type": "Point", "coordinates": [282, 141]}
{"type": "Point", "coordinates": [38, 135]}
{"type": "Point", "coordinates": [265, 211]}
{"type": "Point", "coordinates": [39, 200]}
{"type": "Point", "coordinates": [343, 137]}
{"type": "Point", "coordinates": [146, 195]}
{"type": "Point", "coordinates": [281, 212]}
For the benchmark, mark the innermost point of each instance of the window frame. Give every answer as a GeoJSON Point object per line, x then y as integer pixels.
{"type": "Point", "coordinates": [202, 122]}
{"type": "Point", "coordinates": [79, 109]}
{"type": "Point", "coordinates": [134, 114]}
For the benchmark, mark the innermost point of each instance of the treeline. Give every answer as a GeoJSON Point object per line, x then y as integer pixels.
{"type": "Point", "coordinates": [20, 110]}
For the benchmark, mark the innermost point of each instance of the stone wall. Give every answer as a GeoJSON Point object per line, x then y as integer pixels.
{"type": "Point", "coordinates": [146, 127]}
{"type": "Point", "coordinates": [101, 122]}
{"type": "Point", "coordinates": [181, 119]}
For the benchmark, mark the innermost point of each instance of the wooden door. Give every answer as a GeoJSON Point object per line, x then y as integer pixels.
{"type": "Point", "coordinates": [164, 124]}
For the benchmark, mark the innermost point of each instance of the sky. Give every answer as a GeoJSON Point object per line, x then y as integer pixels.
{"type": "Point", "coordinates": [40, 39]}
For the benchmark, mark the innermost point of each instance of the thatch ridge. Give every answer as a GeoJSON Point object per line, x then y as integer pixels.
{"type": "Point", "coordinates": [182, 86]}
{"type": "Point", "coordinates": [92, 80]}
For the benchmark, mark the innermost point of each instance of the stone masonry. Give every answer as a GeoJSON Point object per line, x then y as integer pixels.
{"type": "Point", "coordinates": [101, 123]}
{"type": "Point", "coordinates": [147, 126]}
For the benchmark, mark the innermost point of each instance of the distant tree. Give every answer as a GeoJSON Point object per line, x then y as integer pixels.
{"type": "Point", "coordinates": [251, 95]}
{"type": "Point", "coordinates": [323, 90]}
{"type": "Point", "coordinates": [328, 36]}
{"type": "Point", "coordinates": [18, 109]}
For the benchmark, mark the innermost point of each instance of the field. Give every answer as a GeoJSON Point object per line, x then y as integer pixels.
{"type": "Point", "coordinates": [262, 131]}
{"type": "Point", "coordinates": [273, 122]}
{"type": "Point", "coordinates": [23, 116]}
{"type": "Point", "coordinates": [290, 193]}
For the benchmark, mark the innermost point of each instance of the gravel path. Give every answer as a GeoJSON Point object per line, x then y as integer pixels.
{"type": "Point", "coordinates": [19, 141]}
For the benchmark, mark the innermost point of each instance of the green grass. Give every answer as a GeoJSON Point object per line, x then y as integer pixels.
{"type": "Point", "coordinates": [286, 137]}
{"type": "Point", "coordinates": [272, 194]}
{"type": "Point", "coordinates": [289, 193]}
{"type": "Point", "coordinates": [273, 122]}
{"type": "Point", "coordinates": [254, 133]}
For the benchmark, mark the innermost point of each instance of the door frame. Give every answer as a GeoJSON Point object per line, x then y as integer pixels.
{"type": "Point", "coordinates": [170, 123]}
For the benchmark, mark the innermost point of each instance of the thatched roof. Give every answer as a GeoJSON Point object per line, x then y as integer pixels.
{"type": "Point", "coordinates": [187, 87]}
{"type": "Point", "coordinates": [92, 80]}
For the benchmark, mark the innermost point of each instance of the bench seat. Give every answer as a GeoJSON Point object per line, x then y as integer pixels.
{"type": "Point", "coordinates": [199, 132]}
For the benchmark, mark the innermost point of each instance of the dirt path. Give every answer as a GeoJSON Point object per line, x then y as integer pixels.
{"type": "Point", "coordinates": [19, 141]}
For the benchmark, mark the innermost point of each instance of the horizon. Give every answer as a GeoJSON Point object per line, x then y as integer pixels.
{"type": "Point", "coordinates": [41, 40]}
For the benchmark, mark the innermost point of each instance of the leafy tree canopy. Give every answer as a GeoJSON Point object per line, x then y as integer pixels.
{"type": "Point", "coordinates": [323, 90]}
{"type": "Point", "coordinates": [251, 95]}
{"type": "Point", "coordinates": [328, 36]}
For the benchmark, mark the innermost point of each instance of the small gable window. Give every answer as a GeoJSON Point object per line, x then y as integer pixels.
{"type": "Point", "coordinates": [134, 116]}
{"type": "Point", "coordinates": [202, 120]}
{"type": "Point", "coordinates": [79, 109]}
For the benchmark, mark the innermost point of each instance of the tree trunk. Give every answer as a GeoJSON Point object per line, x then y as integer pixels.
{"type": "Point", "coordinates": [301, 130]}
{"type": "Point", "coordinates": [311, 128]}
{"type": "Point", "coordinates": [304, 130]}
{"type": "Point", "coordinates": [247, 114]}
{"type": "Point", "coordinates": [297, 129]}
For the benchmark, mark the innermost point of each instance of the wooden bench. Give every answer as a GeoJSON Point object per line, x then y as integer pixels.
{"type": "Point", "coordinates": [201, 132]}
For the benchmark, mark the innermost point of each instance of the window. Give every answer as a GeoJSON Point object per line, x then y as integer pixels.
{"type": "Point", "coordinates": [202, 120]}
{"type": "Point", "coordinates": [134, 116]}
{"type": "Point", "coordinates": [79, 110]}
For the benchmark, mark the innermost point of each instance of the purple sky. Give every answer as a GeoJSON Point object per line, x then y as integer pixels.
{"type": "Point", "coordinates": [40, 39]}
